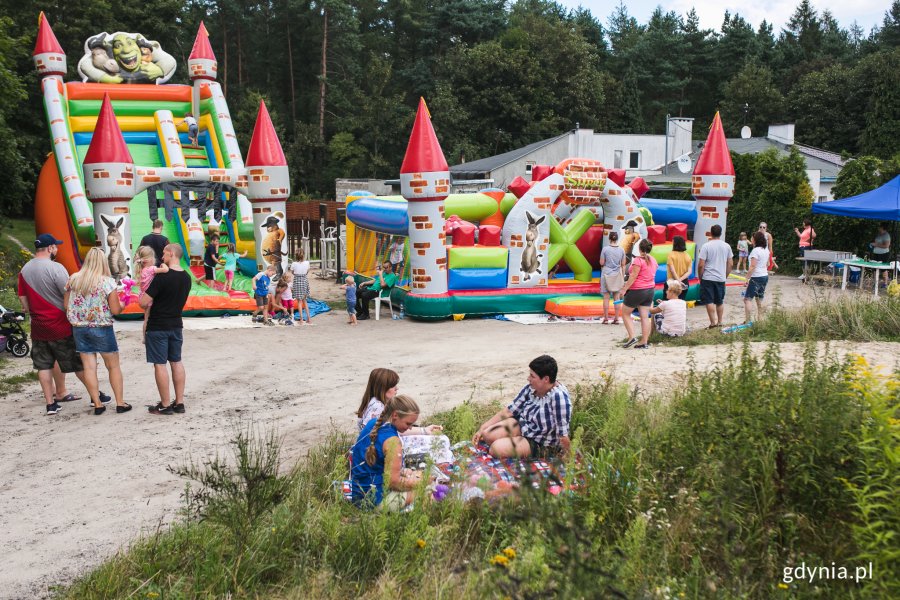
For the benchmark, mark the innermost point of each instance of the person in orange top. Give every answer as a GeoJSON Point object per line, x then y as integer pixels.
{"type": "Point", "coordinates": [807, 236]}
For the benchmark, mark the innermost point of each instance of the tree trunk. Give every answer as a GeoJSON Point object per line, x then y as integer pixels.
{"type": "Point", "coordinates": [291, 71]}
{"type": "Point", "coordinates": [323, 76]}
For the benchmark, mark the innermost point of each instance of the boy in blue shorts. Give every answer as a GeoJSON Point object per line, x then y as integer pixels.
{"type": "Point", "coordinates": [261, 283]}
{"type": "Point", "coordinates": [536, 423]}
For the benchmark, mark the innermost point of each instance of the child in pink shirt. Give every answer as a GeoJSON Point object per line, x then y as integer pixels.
{"type": "Point", "coordinates": [145, 260]}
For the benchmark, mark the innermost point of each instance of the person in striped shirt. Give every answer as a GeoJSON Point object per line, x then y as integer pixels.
{"type": "Point", "coordinates": [536, 423]}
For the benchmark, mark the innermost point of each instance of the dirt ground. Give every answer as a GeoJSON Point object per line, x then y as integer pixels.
{"type": "Point", "coordinates": [76, 488]}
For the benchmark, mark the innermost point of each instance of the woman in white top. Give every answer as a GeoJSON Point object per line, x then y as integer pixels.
{"type": "Point", "coordinates": [758, 276]}
{"type": "Point", "coordinates": [300, 269]}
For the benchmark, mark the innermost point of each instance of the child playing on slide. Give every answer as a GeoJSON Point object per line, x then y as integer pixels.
{"type": "Point", "coordinates": [378, 479]}
{"type": "Point", "coordinates": [146, 260]}
{"type": "Point", "coordinates": [230, 257]}
{"type": "Point", "coordinates": [349, 288]}
{"type": "Point", "coordinates": [671, 314]}
{"type": "Point", "coordinates": [211, 260]}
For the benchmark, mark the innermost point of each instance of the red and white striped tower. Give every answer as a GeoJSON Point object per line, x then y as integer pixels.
{"type": "Point", "coordinates": [425, 183]}
{"type": "Point", "coordinates": [712, 183]}
{"type": "Point", "coordinates": [109, 178]}
{"type": "Point", "coordinates": [202, 66]}
{"type": "Point", "coordinates": [268, 186]}
{"type": "Point", "coordinates": [49, 58]}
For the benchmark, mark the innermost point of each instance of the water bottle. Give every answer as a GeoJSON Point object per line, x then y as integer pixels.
{"type": "Point", "coordinates": [402, 311]}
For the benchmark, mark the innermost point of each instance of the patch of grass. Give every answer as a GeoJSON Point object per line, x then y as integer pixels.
{"type": "Point", "coordinates": [21, 229]}
{"type": "Point", "coordinates": [709, 492]}
{"type": "Point", "coordinates": [861, 318]}
{"type": "Point", "coordinates": [10, 384]}
{"type": "Point", "coordinates": [12, 257]}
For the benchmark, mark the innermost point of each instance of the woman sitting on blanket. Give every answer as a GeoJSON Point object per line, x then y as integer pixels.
{"type": "Point", "coordinates": [382, 386]}
{"type": "Point", "coordinates": [377, 477]}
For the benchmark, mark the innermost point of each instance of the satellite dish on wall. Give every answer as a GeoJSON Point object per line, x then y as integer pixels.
{"type": "Point", "coordinates": [745, 132]}
{"type": "Point", "coordinates": [684, 163]}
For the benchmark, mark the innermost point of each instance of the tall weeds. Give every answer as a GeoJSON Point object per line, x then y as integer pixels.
{"type": "Point", "coordinates": [747, 470]}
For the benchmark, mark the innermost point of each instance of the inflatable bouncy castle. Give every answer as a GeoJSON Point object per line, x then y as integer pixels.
{"type": "Point", "coordinates": [494, 251]}
{"type": "Point", "coordinates": [125, 153]}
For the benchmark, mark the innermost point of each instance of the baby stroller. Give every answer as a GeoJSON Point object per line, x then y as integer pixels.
{"type": "Point", "coordinates": [12, 335]}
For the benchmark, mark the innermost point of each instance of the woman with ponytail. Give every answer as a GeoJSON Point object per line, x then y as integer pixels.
{"type": "Point", "coordinates": [378, 478]}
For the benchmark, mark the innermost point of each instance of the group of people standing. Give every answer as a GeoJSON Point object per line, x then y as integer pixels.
{"type": "Point", "coordinates": [72, 322]}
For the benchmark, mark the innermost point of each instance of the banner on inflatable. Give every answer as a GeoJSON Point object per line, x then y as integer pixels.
{"type": "Point", "coordinates": [124, 58]}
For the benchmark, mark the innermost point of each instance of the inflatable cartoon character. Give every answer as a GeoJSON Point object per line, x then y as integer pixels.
{"type": "Point", "coordinates": [129, 58]}
{"type": "Point", "coordinates": [272, 244]}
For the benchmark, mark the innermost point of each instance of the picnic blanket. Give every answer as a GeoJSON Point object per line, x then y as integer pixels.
{"type": "Point", "coordinates": [472, 473]}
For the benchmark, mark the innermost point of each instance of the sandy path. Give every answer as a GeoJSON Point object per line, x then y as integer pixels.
{"type": "Point", "coordinates": [75, 488]}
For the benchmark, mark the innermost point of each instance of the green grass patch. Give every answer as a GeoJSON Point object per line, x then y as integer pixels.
{"type": "Point", "coordinates": [10, 384]}
{"type": "Point", "coordinates": [859, 318]}
{"type": "Point", "coordinates": [709, 492]}
{"type": "Point", "coordinates": [21, 229]}
{"type": "Point", "coordinates": [12, 257]}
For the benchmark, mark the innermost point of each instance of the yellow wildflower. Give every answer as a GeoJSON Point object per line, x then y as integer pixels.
{"type": "Point", "coordinates": [152, 595]}
{"type": "Point", "coordinates": [782, 586]}
{"type": "Point", "coordinates": [420, 543]}
{"type": "Point", "coordinates": [500, 561]}
{"type": "Point", "coordinates": [509, 552]}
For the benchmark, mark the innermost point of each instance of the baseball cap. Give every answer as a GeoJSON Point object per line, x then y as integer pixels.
{"type": "Point", "coordinates": [45, 240]}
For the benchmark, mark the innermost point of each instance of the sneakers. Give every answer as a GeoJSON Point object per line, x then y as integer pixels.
{"type": "Point", "coordinates": [642, 346]}
{"type": "Point", "coordinates": [178, 408]}
{"type": "Point", "coordinates": [99, 410]}
{"type": "Point", "coordinates": [104, 400]}
{"type": "Point", "coordinates": [123, 409]}
{"type": "Point", "coordinates": [159, 409]}
{"type": "Point", "coordinates": [54, 408]}
{"type": "Point", "coordinates": [630, 343]}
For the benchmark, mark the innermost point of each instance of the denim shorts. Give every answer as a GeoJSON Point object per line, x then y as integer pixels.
{"type": "Point", "coordinates": [164, 346]}
{"type": "Point", "coordinates": [756, 288]}
{"type": "Point", "coordinates": [91, 340]}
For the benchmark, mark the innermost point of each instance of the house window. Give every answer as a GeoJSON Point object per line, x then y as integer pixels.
{"type": "Point", "coordinates": [617, 159]}
{"type": "Point", "coordinates": [634, 160]}
{"type": "Point", "coordinates": [528, 167]}
{"type": "Point", "coordinates": [823, 199]}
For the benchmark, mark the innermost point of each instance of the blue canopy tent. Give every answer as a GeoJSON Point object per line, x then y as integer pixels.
{"type": "Point", "coordinates": [882, 203]}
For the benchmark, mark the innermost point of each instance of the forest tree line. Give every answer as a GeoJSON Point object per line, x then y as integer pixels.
{"type": "Point", "coordinates": [341, 78]}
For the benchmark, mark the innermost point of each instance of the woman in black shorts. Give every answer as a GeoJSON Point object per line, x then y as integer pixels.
{"type": "Point", "coordinates": [639, 291]}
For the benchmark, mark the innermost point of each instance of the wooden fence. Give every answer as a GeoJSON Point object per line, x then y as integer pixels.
{"type": "Point", "coordinates": [305, 219]}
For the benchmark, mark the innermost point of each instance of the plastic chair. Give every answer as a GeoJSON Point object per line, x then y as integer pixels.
{"type": "Point", "coordinates": [383, 296]}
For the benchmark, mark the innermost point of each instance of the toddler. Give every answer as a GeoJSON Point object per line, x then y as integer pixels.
{"type": "Point", "coordinates": [146, 260]}
{"type": "Point", "coordinates": [286, 296]}
{"type": "Point", "coordinates": [743, 247]}
{"type": "Point", "coordinates": [671, 314]}
{"type": "Point", "coordinates": [230, 257]}
{"type": "Point", "coordinates": [349, 288]}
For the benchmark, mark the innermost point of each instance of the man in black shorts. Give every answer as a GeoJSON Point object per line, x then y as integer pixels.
{"type": "Point", "coordinates": [166, 297]}
{"type": "Point", "coordinates": [714, 263]}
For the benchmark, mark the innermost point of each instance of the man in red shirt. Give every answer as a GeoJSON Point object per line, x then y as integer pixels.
{"type": "Point", "coordinates": [42, 285]}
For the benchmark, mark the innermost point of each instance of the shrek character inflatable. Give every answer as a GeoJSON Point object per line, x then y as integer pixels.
{"type": "Point", "coordinates": [130, 58]}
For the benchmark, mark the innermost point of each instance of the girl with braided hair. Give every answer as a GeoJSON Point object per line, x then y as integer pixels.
{"type": "Point", "coordinates": [377, 477]}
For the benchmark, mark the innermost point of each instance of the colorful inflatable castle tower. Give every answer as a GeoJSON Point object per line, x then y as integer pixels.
{"type": "Point", "coordinates": [425, 183]}
{"type": "Point", "coordinates": [712, 183]}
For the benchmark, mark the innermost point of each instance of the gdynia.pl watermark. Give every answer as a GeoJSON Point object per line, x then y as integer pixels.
{"type": "Point", "coordinates": [812, 574]}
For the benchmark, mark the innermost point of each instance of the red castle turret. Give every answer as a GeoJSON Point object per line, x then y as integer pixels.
{"type": "Point", "coordinates": [202, 62]}
{"type": "Point", "coordinates": [712, 183]}
{"type": "Point", "coordinates": [49, 58]}
{"type": "Point", "coordinates": [108, 166]}
{"type": "Point", "coordinates": [425, 183]}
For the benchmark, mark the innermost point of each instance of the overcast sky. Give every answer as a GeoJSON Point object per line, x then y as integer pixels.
{"type": "Point", "coordinates": [867, 13]}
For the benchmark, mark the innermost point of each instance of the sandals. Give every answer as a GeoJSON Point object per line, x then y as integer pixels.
{"type": "Point", "coordinates": [67, 398]}
{"type": "Point", "coordinates": [605, 321]}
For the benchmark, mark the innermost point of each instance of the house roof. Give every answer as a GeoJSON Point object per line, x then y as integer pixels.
{"type": "Point", "coordinates": [482, 168]}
